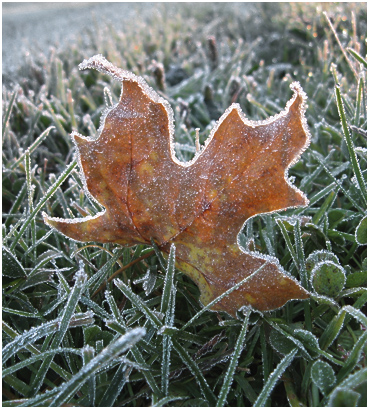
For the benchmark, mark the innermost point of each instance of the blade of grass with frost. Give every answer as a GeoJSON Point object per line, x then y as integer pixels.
{"type": "Point", "coordinates": [31, 348]}
{"type": "Point", "coordinates": [288, 242]}
{"type": "Point", "coordinates": [15, 207]}
{"type": "Point", "coordinates": [9, 111]}
{"type": "Point", "coordinates": [159, 255]}
{"type": "Point", "coordinates": [220, 297]}
{"type": "Point", "coordinates": [27, 337]}
{"type": "Point", "coordinates": [339, 184]}
{"type": "Point", "coordinates": [22, 313]}
{"type": "Point", "coordinates": [359, 94]}
{"type": "Point", "coordinates": [196, 372]}
{"type": "Point", "coordinates": [228, 378]}
{"type": "Point", "coordinates": [97, 278]}
{"type": "Point", "coordinates": [88, 354]}
{"type": "Point", "coordinates": [167, 399]}
{"type": "Point", "coordinates": [34, 146]}
{"type": "Point", "coordinates": [41, 203]}
{"type": "Point", "coordinates": [332, 330]}
{"type": "Point", "coordinates": [98, 362]}
{"type": "Point", "coordinates": [353, 358]}
{"type": "Point", "coordinates": [350, 146]}
{"type": "Point", "coordinates": [35, 358]}
{"type": "Point", "coordinates": [58, 124]}
{"type": "Point", "coordinates": [167, 308]}
{"type": "Point", "coordinates": [357, 56]}
{"type": "Point", "coordinates": [354, 380]}
{"type": "Point", "coordinates": [18, 385]}
{"type": "Point", "coordinates": [273, 378]}
{"type": "Point", "coordinates": [317, 197]}
{"type": "Point", "coordinates": [115, 386]}
{"type": "Point", "coordinates": [30, 191]}
{"type": "Point", "coordinates": [328, 202]}
{"type": "Point", "coordinates": [302, 271]}
{"type": "Point", "coordinates": [119, 326]}
{"type": "Point", "coordinates": [65, 319]}
{"type": "Point", "coordinates": [138, 303]}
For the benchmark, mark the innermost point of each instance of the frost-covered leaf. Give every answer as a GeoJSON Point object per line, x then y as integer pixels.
{"type": "Point", "coordinates": [200, 206]}
{"type": "Point", "coordinates": [11, 266]}
{"type": "Point", "coordinates": [361, 232]}
{"type": "Point", "coordinates": [328, 278]}
{"type": "Point", "coordinates": [317, 257]}
{"type": "Point", "coordinates": [309, 340]}
{"type": "Point", "coordinates": [322, 374]}
{"type": "Point", "coordinates": [343, 397]}
{"type": "Point", "coordinates": [280, 342]}
{"type": "Point", "coordinates": [356, 279]}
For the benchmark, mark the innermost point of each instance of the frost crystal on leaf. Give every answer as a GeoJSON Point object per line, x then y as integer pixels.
{"type": "Point", "coordinates": [200, 206]}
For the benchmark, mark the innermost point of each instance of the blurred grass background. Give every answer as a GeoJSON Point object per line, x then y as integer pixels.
{"type": "Point", "coordinates": [201, 57]}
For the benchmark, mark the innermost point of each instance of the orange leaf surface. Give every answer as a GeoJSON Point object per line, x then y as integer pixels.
{"type": "Point", "coordinates": [201, 205]}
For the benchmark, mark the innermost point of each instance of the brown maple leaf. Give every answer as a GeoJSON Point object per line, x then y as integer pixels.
{"type": "Point", "coordinates": [201, 206]}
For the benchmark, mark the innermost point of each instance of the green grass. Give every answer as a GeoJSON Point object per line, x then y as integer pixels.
{"type": "Point", "coordinates": [66, 339]}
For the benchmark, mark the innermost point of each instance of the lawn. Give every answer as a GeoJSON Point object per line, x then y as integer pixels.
{"type": "Point", "coordinates": [91, 324]}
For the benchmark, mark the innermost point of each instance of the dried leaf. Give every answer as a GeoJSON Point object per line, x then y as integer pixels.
{"type": "Point", "coordinates": [201, 205]}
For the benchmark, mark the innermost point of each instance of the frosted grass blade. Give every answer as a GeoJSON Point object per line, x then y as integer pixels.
{"type": "Point", "coordinates": [228, 378]}
{"type": "Point", "coordinates": [138, 303]}
{"type": "Point", "coordinates": [38, 357]}
{"type": "Point", "coordinates": [353, 358]}
{"type": "Point", "coordinates": [339, 184]}
{"type": "Point", "coordinates": [9, 111]}
{"type": "Point", "coordinates": [359, 93]}
{"type": "Point", "coordinates": [115, 387]}
{"type": "Point", "coordinates": [17, 385]}
{"type": "Point", "coordinates": [332, 330]}
{"type": "Point", "coordinates": [88, 354]}
{"type": "Point", "coordinates": [41, 203]}
{"type": "Point", "coordinates": [159, 255]}
{"type": "Point", "coordinates": [65, 319]}
{"type": "Point", "coordinates": [168, 283]}
{"type": "Point", "coordinates": [288, 242]}
{"type": "Point", "coordinates": [168, 399]}
{"type": "Point", "coordinates": [350, 146]}
{"type": "Point", "coordinates": [33, 147]}
{"type": "Point", "coordinates": [273, 378]}
{"type": "Point", "coordinates": [167, 308]}
{"type": "Point", "coordinates": [357, 56]}
{"type": "Point", "coordinates": [31, 348]}
{"type": "Point", "coordinates": [195, 370]}
{"type": "Point", "coordinates": [99, 361]}
{"type": "Point", "coordinates": [97, 278]}
{"type": "Point", "coordinates": [27, 337]}
{"type": "Point", "coordinates": [225, 294]}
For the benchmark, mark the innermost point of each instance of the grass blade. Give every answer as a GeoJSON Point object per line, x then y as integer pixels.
{"type": "Point", "coordinates": [195, 370]}
{"type": "Point", "coordinates": [34, 146]}
{"type": "Point", "coordinates": [225, 294]}
{"type": "Point", "coordinates": [274, 377]}
{"type": "Point", "coordinates": [228, 378]}
{"type": "Point", "coordinates": [115, 387]}
{"type": "Point", "coordinates": [9, 111]}
{"type": "Point", "coordinates": [350, 146]}
{"type": "Point", "coordinates": [65, 319]}
{"type": "Point", "coordinates": [167, 308]}
{"type": "Point", "coordinates": [99, 361]}
{"type": "Point", "coordinates": [41, 203]}
{"type": "Point", "coordinates": [353, 358]}
{"type": "Point", "coordinates": [35, 358]}
{"type": "Point", "coordinates": [357, 56]}
{"type": "Point", "coordinates": [138, 303]}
